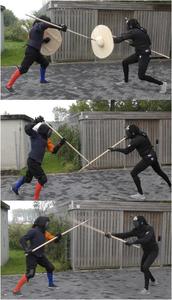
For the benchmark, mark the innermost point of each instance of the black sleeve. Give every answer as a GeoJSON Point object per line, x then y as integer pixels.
{"type": "Point", "coordinates": [29, 129]}
{"type": "Point", "coordinates": [27, 237]}
{"type": "Point", "coordinates": [44, 26]}
{"type": "Point", "coordinates": [124, 235]}
{"type": "Point", "coordinates": [124, 36]}
{"type": "Point", "coordinates": [56, 148]}
{"type": "Point", "coordinates": [147, 238]}
{"type": "Point", "coordinates": [131, 147]}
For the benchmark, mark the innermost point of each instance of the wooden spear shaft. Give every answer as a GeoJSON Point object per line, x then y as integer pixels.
{"type": "Point", "coordinates": [92, 161]}
{"type": "Point", "coordinates": [113, 237]}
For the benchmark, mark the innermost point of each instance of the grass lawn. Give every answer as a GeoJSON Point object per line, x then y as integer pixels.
{"type": "Point", "coordinates": [13, 53]}
{"type": "Point", "coordinates": [16, 264]}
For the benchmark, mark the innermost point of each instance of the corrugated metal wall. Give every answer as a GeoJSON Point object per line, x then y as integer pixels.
{"type": "Point", "coordinates": [73, 46]}
{"type": "Point", "coordinates": [83, 17]}
{"type": "Point", "coordinates": [91, 250]}
{"type": "Point", "coordinates": [101, 130]}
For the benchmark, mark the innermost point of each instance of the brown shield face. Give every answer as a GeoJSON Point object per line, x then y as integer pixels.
{"type": "Point", "coordinates": [54, 44]}
{"type": "Point", "coordinates": [102, 43]}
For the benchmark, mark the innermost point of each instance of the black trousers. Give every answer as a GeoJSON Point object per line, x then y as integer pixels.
{"type": "Point", "coordinates": [32, 55]}
{"type": "Point", "coordinates": [147, 260]}
{"type": "Point", "coordinates": [142, 165]}
{"type": "Point", "coordinates": [35, 170]}
{"type": "Point", "coordinates": [32, 261]}
{"type": "Point", "coordinates": [143, 61]}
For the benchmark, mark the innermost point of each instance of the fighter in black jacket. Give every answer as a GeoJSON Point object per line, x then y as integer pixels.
{"type": "Point", "coordinates": [140, 40]}
{"type": "Point", "coordinates": [32, 53]}
{"type": "Point", "coordinates": [40, 141]}
{"type": "Point", "coordinates": [36, 236]}
{"type": "Point", "coordinates": [141, 142]}
{"type": "Point", "coordinates": [146, 238]}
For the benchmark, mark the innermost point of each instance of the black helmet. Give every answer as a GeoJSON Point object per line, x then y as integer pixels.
{"type": "Point", "coordinates": [132, 130]}
{"type": "Point", "coordinates": [43, 17]}
{"type": "Point", "coordinates": [45, 131]}
{"type": "Point", "coordinates": [139, 221]}
{"type": "Point", "coordinates": [132, 23]}
{"type": "Point", "coordinates": [41, 222]}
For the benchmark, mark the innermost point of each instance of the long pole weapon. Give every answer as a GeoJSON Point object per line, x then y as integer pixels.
{"type": "Point", "coordinates": [92, 161]}
{"type": "Point", "coordinates": [102, 232]}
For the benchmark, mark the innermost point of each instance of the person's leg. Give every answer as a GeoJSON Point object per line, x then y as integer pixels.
{"type": "Point", "coordinates": [16, 186]}
{"type": "Point", "coordinates": [141, 166]}
{"type": "Point", "coordinates": [125, 64]}
{"type": "Point", "coordinates": [156, 167]}
{"type": "Point", "coordinates": [24, 179]}
{"type": "Point", "coordinates": [146, 265]}
{"type": "Point", "coordinates": [43, 66]}
{"type": "Point", "coordinates": [39, 174]}
{"type": "Point", "coordinates": [31, 264]}
{"type": "Point", "coordinates": [143, 65]}
{"type": "Point", "coordinates": [25, 65]}
{"type": "Point", "coordinates": [44, 262]}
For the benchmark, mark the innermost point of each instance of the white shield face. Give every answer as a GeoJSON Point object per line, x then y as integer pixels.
{"type": "Point", "coordinates": [102, 43]}
{"type": "Point", "coordinates": [54, 44]}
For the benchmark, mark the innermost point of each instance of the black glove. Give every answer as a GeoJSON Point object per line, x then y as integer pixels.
{"type": "Point", "coordinates": [62, 141]}
{"type": "Point", "coordinates": [108, 235]}
{"type": "Point", "coordinates": [111, 149]}
{"type": "Point", "coordinates": [38, 120]}
{"type": "Point", "coordinates": [129, 243]}
{"type": "Point", "coordinates": [28, 251]}
{"type": "Point", "coordinates": [63, 27]}
{"type": "Point", "coordinates": [46, 40]}
{"type": "Point", "coordinates": [59, 236]}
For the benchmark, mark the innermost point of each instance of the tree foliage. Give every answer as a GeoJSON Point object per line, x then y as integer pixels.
{"type": "Point", "coordinates": [119, 105]}
{"type": "Point", "coordinates": [9, 18]}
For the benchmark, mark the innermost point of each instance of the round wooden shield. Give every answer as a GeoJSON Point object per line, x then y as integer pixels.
{"type": "Point", "coordinates": [102, 41]}
{"type": "Point", "coordinates": [55, 41]}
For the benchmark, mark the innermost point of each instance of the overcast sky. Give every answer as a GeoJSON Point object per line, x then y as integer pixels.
{"type": "Point", "coordinates": [22, 7]}
{"type": "Point", "coordinates": [34, 108]}
{"type": "Point", "coordinates": [17, 204]}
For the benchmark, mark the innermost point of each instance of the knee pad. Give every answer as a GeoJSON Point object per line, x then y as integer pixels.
{"type": "Point", "coordinates": [45, 64]}
{"type": "Point", "coordinates": [30, 274]}
{"type": "Point", "coordinates": [23, 69]}
{"type": "Point", "coordinates": [50, 268]}
{"type": "Point", "coordinates": [42, 180]}
{"type": "Point", "coordinates": [28, 180]}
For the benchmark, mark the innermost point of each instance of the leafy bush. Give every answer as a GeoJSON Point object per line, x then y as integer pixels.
{"type": "Point", "coordinates": [72, 136]}
{"type": "Point", "coordinates": [15, 32]}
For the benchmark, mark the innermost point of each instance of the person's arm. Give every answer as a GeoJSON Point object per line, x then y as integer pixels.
{"type": "Point", "coordinates": [50, 236]}
{"type": "Point", "coordinates": [124, 36]}
{"type": "Point", "coordinates": [122, 235]}
{"type": "Point", "coordinates": [43, 26]}
{"type": "Point", "coordinates": [29, 127]}
{"type": "Point", "coordinates": [55, 148]}
{"type": "Point", "coordinates": [147, 237]}
{"type": "Point", "coordinates": [24, 240]}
